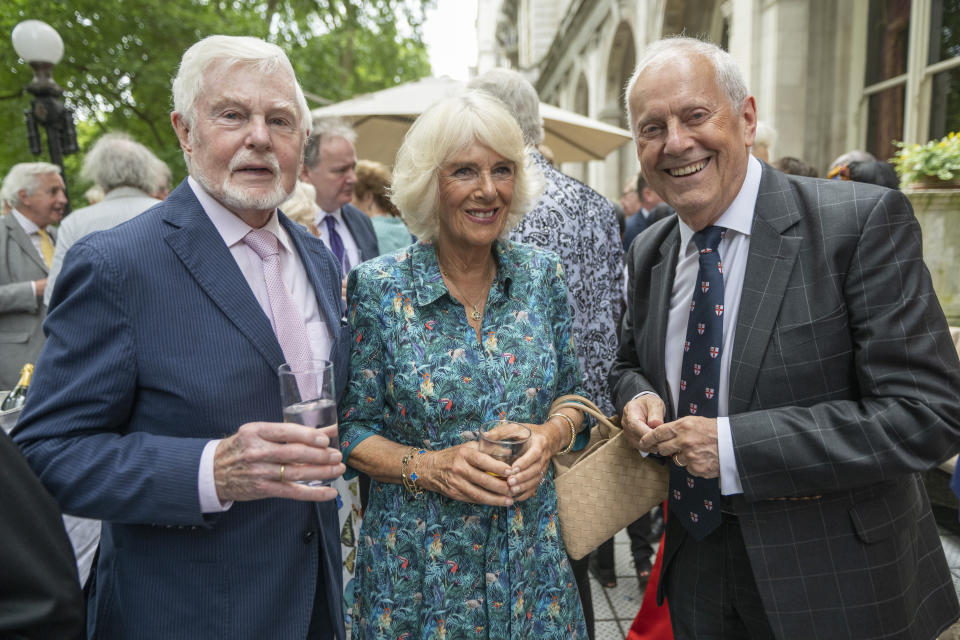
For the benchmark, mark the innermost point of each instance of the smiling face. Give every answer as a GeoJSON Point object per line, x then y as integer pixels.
{"type": "Point", "coordinates": [476, 187]}
{"type": "Point", "coordinates": [692, 144]}
{"type": "Point", "coordinates": [246, 145]}
{"type": "Point", "coordinates": [334, 175]}
{"type": "Point", "coordinates": [45, 204]}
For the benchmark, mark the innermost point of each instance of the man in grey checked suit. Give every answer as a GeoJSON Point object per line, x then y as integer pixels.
{"type": "Point", "coordinates": [837, 385]}
{"type": "Point", "coordinates": [36, 192]}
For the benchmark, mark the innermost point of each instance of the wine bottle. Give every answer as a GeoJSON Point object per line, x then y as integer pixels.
{"type": "Point", "coordinates": [16, 398]}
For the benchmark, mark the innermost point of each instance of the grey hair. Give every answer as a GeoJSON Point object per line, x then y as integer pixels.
{"type": "Point", "coordinates": [116, 160]}
{"type": "Point", "coordinates": [445, 129]}
{"type": "Point", "coordinates": [265, 57]}
{"type": "Point", "coordinates": [728, 75]}
{"type": "Point", "coordinates": [24, 177]}
{"type": "Point", "coordinates": [855, 155]}
{"type": "Point", "coordinates": [325, 127]}
{"type": "Point", "coordinates": [162, 176]}
{"type": "Point", "coordinates": [520, 97]}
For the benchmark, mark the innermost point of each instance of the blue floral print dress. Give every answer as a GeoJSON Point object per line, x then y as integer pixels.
{"type": "Point", "coordinates": [435, 568]}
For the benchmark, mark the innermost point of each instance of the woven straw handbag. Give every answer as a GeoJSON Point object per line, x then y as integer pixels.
{"type": "Point", "coordinates": [606, 486]}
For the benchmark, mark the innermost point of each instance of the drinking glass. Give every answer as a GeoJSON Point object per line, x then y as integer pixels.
{"type": "Point", "coordinates": [306, 391]}
{"type": "Point", "coordinates": [509, 443]}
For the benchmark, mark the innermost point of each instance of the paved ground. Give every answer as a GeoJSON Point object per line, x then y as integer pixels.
{"type": "Point", "coordinates": [616, 608]}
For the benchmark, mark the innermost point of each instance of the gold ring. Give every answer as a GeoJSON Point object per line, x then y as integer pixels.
{"type": "Point", "coordinates": [282, 467]}
{"type": "Point", "coordinates": [677, 461]}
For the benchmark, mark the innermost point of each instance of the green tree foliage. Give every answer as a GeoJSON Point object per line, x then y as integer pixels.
{"type": "Point", "coordinates": [121, 55]}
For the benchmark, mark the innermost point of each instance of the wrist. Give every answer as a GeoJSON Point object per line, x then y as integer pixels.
{"type": "Point", "coordinates": [564, 432]}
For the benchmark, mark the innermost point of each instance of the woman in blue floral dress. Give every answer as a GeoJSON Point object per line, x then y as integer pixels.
{"type": "Point", "coordinates": [448, 334]}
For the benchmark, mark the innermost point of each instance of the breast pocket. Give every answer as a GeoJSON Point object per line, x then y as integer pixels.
{"type": "Point", "coordinates": [819, 338]}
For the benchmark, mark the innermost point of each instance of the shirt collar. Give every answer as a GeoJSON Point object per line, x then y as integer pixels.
{"type": "Point", "coordinates": [26, 223]}
{"type": "Point", "coordinates": [321, 214]}
{"type": "Point", "coordinates": [739, 215]}
{"type": "Point", "coordinates": [230, 227]}
{"type": "Point", "coordinates": [429, 283]}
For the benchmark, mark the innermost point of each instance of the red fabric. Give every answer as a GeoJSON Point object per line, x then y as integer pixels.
{"type": "Point", "coordinates": [652, 622]}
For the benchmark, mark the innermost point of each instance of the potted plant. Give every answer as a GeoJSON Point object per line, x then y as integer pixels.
{"type": "Point", "coordinates": [935, 164]}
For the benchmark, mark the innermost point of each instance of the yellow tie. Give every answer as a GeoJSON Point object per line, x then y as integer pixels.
{"type": "Point", "coordinates": [46, 247]}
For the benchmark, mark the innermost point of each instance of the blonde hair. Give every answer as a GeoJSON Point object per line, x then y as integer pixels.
{"type": "Point", "coordinates": [300, 206]}
{"type": "Point", "coordinates": [440, 133]}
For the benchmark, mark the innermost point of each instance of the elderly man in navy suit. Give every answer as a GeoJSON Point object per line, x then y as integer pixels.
{"type": "Point", "coordinates": [784, 352]}
{"type": "Point", "coordinates": [156, 404]}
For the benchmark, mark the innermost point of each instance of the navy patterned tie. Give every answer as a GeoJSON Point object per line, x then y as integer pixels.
{"type": "Point", "coordinates": [696, 501]}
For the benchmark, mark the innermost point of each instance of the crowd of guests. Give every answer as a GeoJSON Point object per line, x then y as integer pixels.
{"type": "Point", "coordinates": [773, 339]}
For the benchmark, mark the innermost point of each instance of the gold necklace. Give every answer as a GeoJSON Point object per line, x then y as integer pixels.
{"type": "Point", "coordinates": [476, 315]}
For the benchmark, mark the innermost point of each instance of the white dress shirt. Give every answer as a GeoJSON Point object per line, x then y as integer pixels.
{"type": "Point", "coordinates": [350, 248]}
{"type": "Point", "coordinates": [734, 250]}
{"type": "Point", "coordinates": [233, 230]}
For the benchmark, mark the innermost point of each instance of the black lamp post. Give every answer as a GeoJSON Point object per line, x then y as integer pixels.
{"type": "Point", "coordinates": [40, 45]}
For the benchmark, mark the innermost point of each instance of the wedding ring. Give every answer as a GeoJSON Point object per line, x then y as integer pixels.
{"type": "Point", "coordinates": [282, 467]}
{"type": "Point", "coordinates": [677, 461]}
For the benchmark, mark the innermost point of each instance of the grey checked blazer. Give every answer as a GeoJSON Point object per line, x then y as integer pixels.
{"type": "Point", "coordinates": [843, 386]}
{"type": "Point", "coordinates": [21, 312]}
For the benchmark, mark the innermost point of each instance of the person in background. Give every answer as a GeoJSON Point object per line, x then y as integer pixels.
{"type": "Point", "coordinates": [127, 173]}
{"type": "Point", "coordinates": [330, 166]}
{"type": "Point", "coordinates": [36, 194]}
{"type": "Point", "coordinates": [855, 155]}
{"type": "Point", "coordinates": [869, 171]}
{"type": "Point", "coordinates": [795, 167]}
{"type": "Point", "coordinates": [94, 194]}
{"type": "Point", "coordinates": [630, 199]}
{"type": "Point", "coordinates": [371, 195]}
{"type": "Point", "coordinates": [784, 351]}
{"type": "Point", "coordinates": [301, 206]}
{"type": "Point", "coordinates": [462, 328]}
{"type": "Point", "coordinates": [39, 594]}
{"type": "Point", "coordinates": [164, 180]}
{"type": "Point", "coordinates": [763, 141]}
{"type": "Point", "coordinates": [155, 406]}
{"type": "Point", "coordinates": [652, 210]}
{"type": "Point", "coordinates": [580, 226]}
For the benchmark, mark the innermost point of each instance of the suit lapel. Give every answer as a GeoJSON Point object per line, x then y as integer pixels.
{"type": "Point", "coordinates": [661, 287]}
{"type": "Point", "coordinates": [774, 247]}
{"type": "Point", "coordinates": [21, 238]}
{"type": "Point", "coordinates": [202, 251]}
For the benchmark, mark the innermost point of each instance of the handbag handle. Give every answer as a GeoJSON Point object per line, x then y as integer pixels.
{"type": "Point", "coordinates": [580, 403]}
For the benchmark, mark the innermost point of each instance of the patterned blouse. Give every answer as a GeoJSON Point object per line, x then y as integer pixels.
{"type": "Point", "coordinates": [580, 225]}
{"type": "Point", "coordinates": [436, 567]}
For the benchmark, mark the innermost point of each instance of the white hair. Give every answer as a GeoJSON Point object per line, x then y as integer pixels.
{"type": "Point", "coordinates": [24, 177]}
{"type": "Point", "coordinates": [520, 97]}
{"type": "Point", "coordinates": [728, 76]}
{"type": "Point", "coordinates": [265, 57]}
{"type": "Point", "coordinates": [440, 133]}
{"type": "Point", "coordinates": [766, 135]}
{"type": "Point", "coordinates": [116, 160]}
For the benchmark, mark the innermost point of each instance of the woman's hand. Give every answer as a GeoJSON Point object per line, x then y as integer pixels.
{"type": "Point", "coordinates": [465, 474]}
{"type": "Point", "coordinates": [530, 469]}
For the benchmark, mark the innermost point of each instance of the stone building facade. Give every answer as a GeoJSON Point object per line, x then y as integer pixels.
{"type": "Point", "coordinates": [828, 76]}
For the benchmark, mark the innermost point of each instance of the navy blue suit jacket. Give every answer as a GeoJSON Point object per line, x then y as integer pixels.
{"type": "Point", "coordinates": [156, 345]}
{"type": "Point", "coordinates": [361, 228]}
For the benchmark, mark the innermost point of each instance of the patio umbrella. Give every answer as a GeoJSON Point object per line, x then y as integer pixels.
{"type": "Point", "coordinates": [382, 118]}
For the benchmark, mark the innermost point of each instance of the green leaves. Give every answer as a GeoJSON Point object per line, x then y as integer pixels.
{"type": "Point", "coordinates": [121, 56]}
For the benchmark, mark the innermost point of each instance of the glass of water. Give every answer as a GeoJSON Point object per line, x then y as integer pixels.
{"type": "Point", "coordinates": [504, 441]}
{"type": "Point", "coordinates": [306, 391]}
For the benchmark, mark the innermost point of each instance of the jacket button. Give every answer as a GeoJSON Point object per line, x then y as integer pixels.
{"type": "Point", "coordinates": [308, 536]}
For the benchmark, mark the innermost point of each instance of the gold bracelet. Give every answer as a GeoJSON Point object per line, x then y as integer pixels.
{"type": "Point", "coordinates": [414, 477]}
{"type": "Point", "coordinates": [403, 469]}
{"type": "Point", "coordinates": [573, 430]}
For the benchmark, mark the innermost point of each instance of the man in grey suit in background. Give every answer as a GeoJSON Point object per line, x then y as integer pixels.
{"type": "Point", "coordinates": [795, 432]}
{"type": "Point", "coordinates": [129, 175]}
{"type": "Point", "coordinates": [36, 192]}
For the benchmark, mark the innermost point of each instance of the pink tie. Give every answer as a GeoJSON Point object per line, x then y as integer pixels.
{"type": "Point", "coordinates": [287, 322]}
